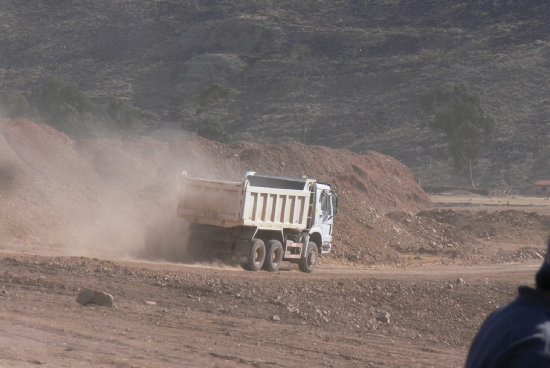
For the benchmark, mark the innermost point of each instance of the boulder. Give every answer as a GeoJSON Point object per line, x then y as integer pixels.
{"type": "Point", "coordinates": [88, 296]}
{"type": "Point", "coordinates": [383, 317]}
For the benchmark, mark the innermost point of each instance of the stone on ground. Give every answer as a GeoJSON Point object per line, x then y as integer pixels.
{"type": "Point", "coordinates": [88, 296]}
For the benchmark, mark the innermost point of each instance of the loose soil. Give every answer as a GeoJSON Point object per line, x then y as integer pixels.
{"type": "Point", "coordinates": [180, 315]}
{"type": "Point", "coordinates": [407, 285]}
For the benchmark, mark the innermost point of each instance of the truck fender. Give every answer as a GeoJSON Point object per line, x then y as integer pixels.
{"type": "Point", "coordinates": [315, 237]}
{"type": "Point", "coordinates": [304, 238]}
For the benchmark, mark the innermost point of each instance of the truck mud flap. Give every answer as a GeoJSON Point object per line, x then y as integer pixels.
{"type": "Point", "coordinates": [243, 243]}
{"type": "Point", "coordinates": [293, 250]}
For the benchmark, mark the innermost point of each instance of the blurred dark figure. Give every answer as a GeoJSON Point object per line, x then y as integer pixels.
{"type": "Point", "coordinates": [517, 335]}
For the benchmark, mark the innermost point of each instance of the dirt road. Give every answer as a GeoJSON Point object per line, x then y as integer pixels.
{"type": "Point", "coordinates": [180, 315]}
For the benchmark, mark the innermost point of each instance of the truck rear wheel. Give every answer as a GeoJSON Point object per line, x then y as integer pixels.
{"type": "Point", "coordinates": [309, 260]}
{"type": "Point", "coordinates": [274, 255]}
{"type": "Point", "coordinates": [256, 255]}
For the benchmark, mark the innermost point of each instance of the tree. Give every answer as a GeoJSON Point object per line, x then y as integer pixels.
{"type": "Point", "coordinates": [214, 105]}
{"type": "Point", "coordinates": [467, 129]}
{"type": "Point", "coordinates": [15, 105]}
{"type": "Point", "coordinates": [63, 105]}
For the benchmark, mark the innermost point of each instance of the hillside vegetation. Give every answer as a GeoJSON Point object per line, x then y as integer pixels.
{"type": "Point", "coordinates": [345, 74]}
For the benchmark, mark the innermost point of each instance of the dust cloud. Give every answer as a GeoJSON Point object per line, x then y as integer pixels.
{"type": "Point", "coordinates": [135, 215]}
{"type": "Point", "coordinates": [104, 197]}
{"type": "Point", "coordinates": [8, 172]}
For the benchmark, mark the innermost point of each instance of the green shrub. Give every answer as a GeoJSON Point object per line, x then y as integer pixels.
{"type": "Point", "coordinates": [63, 105]}
{"type": "Point", "coordinates": [216, 107]}
{"type": "Point", "coordinates": [15, 105]}
{"type": "Point", "coordinates": [214, 131]}
{"type": "Point", "coordinates": [122, 114]}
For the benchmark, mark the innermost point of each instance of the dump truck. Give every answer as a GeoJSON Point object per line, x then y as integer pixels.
{"type": "Point", "coordinates": [262, 220]}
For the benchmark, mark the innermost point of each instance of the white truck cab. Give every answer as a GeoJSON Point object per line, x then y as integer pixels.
{"type": "Point", "coordinates": [325, 209]}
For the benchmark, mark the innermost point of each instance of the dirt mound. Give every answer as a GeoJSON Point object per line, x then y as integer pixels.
{"type": "Point", "coordinates": [115, 197]}
{"type": "Point", "coordinates": [370, 184]}
{"type": "Point", "coordinates": [96, 196]}
{"type": "Point", "coordinates": [44, 184]}
{"type": "Point", "coordinates": [381, 180]}
{"type": "Point", "coordinates": [504, 235]}
{"type": "Point", "coordinates": [506, 226]}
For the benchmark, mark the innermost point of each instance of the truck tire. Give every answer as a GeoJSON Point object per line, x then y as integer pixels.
{"type": "Point", "coordinates": [274, 255]}
{"type": "Point", "coordinates": [309, 261]}
{"type": "Point", "coordinates": [256, 255]}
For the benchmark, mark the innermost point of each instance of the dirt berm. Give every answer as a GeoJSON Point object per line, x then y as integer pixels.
{"type": "Point", "coordinates": [97, 196]}
{"type": "Point", "coordinates": [116, 197]}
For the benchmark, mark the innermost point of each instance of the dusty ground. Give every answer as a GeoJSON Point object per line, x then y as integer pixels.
{"type": "Point", "coordinates": [222, 317]}
{"type": "Point", "coordinates": [420, 312]}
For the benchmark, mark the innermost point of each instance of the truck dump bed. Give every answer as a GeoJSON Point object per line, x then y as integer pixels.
{"type": "Point", "coordinates": [266, 202]}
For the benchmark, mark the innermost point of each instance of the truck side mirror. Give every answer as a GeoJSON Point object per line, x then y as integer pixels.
{"type": "Point", "coordinates": [334, 203]}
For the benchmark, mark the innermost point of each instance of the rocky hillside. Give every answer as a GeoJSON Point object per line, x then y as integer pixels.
{"type": "Point", "coordinates": [344, 74]}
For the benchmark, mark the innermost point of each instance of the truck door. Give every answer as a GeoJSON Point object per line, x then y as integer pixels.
{"type": "Point", "coordinates": [325, 215]}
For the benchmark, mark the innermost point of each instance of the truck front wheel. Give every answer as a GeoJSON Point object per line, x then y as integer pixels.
{"type": "Point", "coordinates": [309, 260]}
{"type": "Point", "coordinates": [274, 255]}
{"type": "Point", "coordinates": [256, 255]}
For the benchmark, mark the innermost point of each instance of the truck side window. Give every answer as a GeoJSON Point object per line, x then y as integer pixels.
{"type": "Point", "coordinates": [325, 202]}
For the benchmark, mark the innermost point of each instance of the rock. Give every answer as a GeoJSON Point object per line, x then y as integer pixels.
{"type": "Point", "coordinates": [292, 309]}
{"type": "Point", "coordinates": [88, 296]}
{"type": "Point", "coordinates": [85, 296]}
{"type": "Point", "coordinates": [384, 317]}
{"type": "Point", "coordinates": [148, 302]}
{"type": "Point", "coordinates": [275, 318]}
